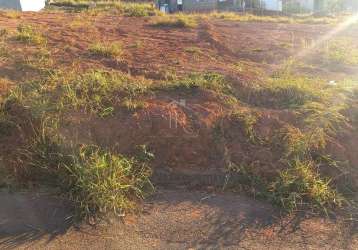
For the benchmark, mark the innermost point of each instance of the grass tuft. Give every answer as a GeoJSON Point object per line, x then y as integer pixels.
{"type": "Point", "coordinates": [341, 51]}
{"type": "Point", "coordinates": [210, 81]}
{"type": "Point", "coordinates": [100, 182]}
{"type": "Point", "coordinates": [301, 186]}
{"type": "Point", "coordinates": [110, 50]}
{"type": "Point", "coordinates": [177, 21]}
{"type": "Point", "coordinates": [97, 181]}
{"type": "Point", "coordinates": [27, 34]}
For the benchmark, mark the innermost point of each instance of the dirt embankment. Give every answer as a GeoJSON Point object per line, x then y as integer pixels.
{"type": "Point", "coordinates": [178, 127]}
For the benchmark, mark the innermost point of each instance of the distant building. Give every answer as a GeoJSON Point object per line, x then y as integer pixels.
{"type": "Point", "coordinates": [351, 5]}
{"type": "Point", "coordinates": [198, 5]}
{"type": "Point", "coordinates": [288, 6]}
{"type": "Point", "coordinates": [314, 5]}
{"type": "Point", "coordinates": [23, 5]}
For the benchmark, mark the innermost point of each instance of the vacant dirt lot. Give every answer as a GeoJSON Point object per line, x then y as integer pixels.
{"type": "Point", "coordinates": [202, 142]}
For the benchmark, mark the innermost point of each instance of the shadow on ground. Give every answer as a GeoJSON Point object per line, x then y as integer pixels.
{"type": "Point", "coordinates": [171, 219]}
{"type": "Point", "coordinates": [27, 217]}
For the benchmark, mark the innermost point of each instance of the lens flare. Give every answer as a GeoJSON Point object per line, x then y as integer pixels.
{"type": "Point", "coordinates": [322, 40]}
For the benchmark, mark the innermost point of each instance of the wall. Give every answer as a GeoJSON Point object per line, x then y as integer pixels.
{"type": "Point", "coordinates": [274, 5]}
{"type": "Point", "coordinates": [10, 4]}
{"type": "Point", "coordinates": [199, 5]}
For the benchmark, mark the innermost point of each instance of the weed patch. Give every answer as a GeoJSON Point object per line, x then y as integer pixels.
{"type": "Point", "coordinates": [4, 52]}
{"type": "Point", "coordinates": [341, 51]}
{"type": "Point", "coordinates": [210, 81]}
{"type": "Point", "coordinates": [111, 50]}
{"type": "Point", "coordinates": [137, 9]}
{"type": "Point", "coordinates": [247, 120]}
{"type": "Point", "coordinates": [309, 19]}
{"type": "Point", "coordinates": [27, 34]}
{"type": "Point", "coordinates": [97, 181]}
{"type": "Point", "coordinates": [301, 186]}
{"type": "Point", "coordinates": [178, 21]}
{"type": "Point", "coordinates": [95, 91]}
{"type": "Point", "coordinates": [100, 182]}
{"type": "Point", "coordinates": [288, 91]}
{"type": "Point", "coordinates": [130, 9]}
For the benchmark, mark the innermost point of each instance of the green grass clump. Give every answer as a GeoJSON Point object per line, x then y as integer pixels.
{"type": "Point", "coordinates": [289, 91]}
{"type": "Point", "coordinates": [341, 51]}
{"type": "Point", "coordinates": [4, 52]}
{"type": "Point", "coordinates": [98, 92]}
{"type": "Point", "coordinates": [40, 61]}
{"type": "Point", "coordinates": [137, 9]}
{"type": "Point", "coordinates": [3, 33]}
{"type": "Point", "coordinates": [96, 181]}
{"type": "Point", "coordinates": [301, 186]}
{"type": "Point", "coordinates": [95, 91]}
{"type": "Point", "coordinates": [100, 182]}
{"type": "Point", "coordinates": [6, 124]}
{"type": "Point", "coordinates": [131, 9]}
{"type": "Point", "coordinates": [177, 21]}
{"type": "Point", "coordinates": [27, 34]}
{"type": "Point", "coordinates": [111, 50]}
{"type": "Point", "coordinates": [309, 19]}
{"type": "Point", "coordinates": [247, 121]}
{"type": "Point", "coordinates": [210, 81]}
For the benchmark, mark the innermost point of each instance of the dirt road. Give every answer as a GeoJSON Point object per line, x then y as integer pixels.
{"type": "Point", "coordinates": [171, 219]}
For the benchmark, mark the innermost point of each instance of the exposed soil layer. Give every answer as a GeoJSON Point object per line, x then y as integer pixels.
{"type": "Point", "coordinates": [214, 46]}
{"type": "Point", "coordinates": [182, 137]}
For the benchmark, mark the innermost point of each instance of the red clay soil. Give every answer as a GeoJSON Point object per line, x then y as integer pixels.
{"type": "Point", "coordinates": [154, 53]}
{"type": "Point", "coordinates": [174, 219]}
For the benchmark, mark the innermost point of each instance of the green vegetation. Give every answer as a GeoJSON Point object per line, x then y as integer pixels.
{"type": "Point", "coordinates": [175, 21]}
{"type": "Point", "coordinates": [287, 90]}
{"type": "Point", "coordinates": [319, 110]}
{"type": "Point", "coordinates": [3, 33]}
{"type": "Point", "coordinates": [137, 9]}
{"type": "Point", "coordinates": [112, 50]}
{"type": "Point", "coordinates": [341, 51]}
{"type": "Point", "coordinates": [210, 81]}
{"type": "Point", "coordinates": [100, 181]}
{"type": "Point", "coordinates": [247, 120]}
{"type": "Point", "coordinates": [96, 91]}
{"type": "Point", "coordinates": [300, 186]}
{"type": "Point", "coordinates": [131, 9]}
{"type": "Point", "coordinates": [27, 34]}
{"type": "Point", "coordinates": [309, 19]}
{"type": "Point", "coordinates": [96, 180]}
{"type": "Point", "coordinates": [40, 61]}
{"type": "Point", "coordinates": [4, 53]}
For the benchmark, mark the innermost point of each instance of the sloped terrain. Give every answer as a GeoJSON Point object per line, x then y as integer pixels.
{"type": "Point", "coordinates": [262, 108]}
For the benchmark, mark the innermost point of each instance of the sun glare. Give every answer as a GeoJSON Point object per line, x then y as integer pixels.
{"type": "Point", "coordinates": [331, 34]}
